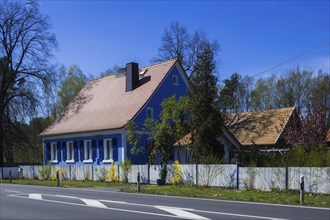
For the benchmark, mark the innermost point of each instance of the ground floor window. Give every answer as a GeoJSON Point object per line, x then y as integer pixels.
{"type": "Point", "coordinates": [69, 152]}
{"type": "Point", "coordinates": [107, 151]}
{"type": "Point", "coordinates": [88, 151]}
{"type": "Point", "coordinates": [53, 152]}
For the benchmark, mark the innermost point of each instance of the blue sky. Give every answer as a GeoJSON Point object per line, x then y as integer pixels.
{"type": "Point", "coordinates": [253, 35]}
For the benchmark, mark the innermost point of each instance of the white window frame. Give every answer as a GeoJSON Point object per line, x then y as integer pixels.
{"type": "Point", "coordinates": [151, 110]}
{"type": "Point", "coordinates": [69, 160]}
{"type": "Point", "coordinates": [88, 158]}
{"type": "Point", "coordinates": [175, 80]}
{"type": "Point", "coordinates": [53, 152]}
{"type": "Point", "coordinates": [107, 156]}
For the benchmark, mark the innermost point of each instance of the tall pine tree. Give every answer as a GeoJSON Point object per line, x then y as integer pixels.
{"type": "Point", "coordinates": [206, 118]}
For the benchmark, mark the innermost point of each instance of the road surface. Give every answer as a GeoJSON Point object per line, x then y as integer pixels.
{"type": "Point", "coordinates": [38, 202]}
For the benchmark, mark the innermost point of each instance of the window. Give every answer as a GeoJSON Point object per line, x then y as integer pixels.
{"type": "Point", "coordinates": [150, 113]}
{"type": "Point", "coordinates": [53, 152]}
{"type": "Point", "coordinates": [175, 80]}
{"type": "Point", "coordinates": [69, 152]}
{"type": "Point", "coordinates": [108, 151]}
{"type": "Point", "coordinates": [88, 151]}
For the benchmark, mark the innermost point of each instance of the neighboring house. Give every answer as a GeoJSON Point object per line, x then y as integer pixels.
{"type": "Point", "coordinates": [92, 128]}
{"type": "Point", "coordinates": [327, 138]}
{"type": "Point", "coordinates": [182, 150]}
{"type": "Point", "coordinates": [262, 130]}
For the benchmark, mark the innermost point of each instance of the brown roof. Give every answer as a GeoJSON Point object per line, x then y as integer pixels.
{"type": "Point", "coordinates": [258, 128]}
{"type": "Point", "coordinates": [187, 139]}
{"type": "Point", "coordinates": [327, 138]}
{"type": "Point", "coordinates": [103, 103]}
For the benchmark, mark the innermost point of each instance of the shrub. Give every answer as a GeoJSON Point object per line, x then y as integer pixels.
{"type": "Point", "coordinates": [176, 179]}
{"type": "Point", "coordinates": [55, 170]}
{"type": "Point", "coordinates": [45, 172]}
{"type": "Point", "coordinates": [296, 157]}
{"type": "Point", "coordinates": [103, 174]}
{"type": "Point", "coordinates": [126, 166]}
{"type": "Point", "coordinates": [86, 175]}
{"type": "Point", "coordinates": [112, 173]}
{"type": "Point", "coordinates": [163, 173]}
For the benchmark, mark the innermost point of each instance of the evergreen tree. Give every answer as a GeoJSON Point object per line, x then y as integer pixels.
{"type": "Point", "coordinates": [206, 118]}
{"type": "Point", "coordinates": [228, 95]}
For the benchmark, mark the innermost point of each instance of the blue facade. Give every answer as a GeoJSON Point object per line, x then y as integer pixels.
{"type": "Point", "coordinates": [173, 84]}
{"type": "Point", "coordinates": [97, 149]}
{"type": "Point", "coordinates": [166, 89]}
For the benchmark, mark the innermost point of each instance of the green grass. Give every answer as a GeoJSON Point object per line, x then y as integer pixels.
{"type": "Point", "coordinates": [277, 197]}
{"type": "Point", "coordinates": [64, 183]}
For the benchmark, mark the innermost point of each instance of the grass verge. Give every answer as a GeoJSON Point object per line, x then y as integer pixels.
{"type": "Point", "coordinates": [64, 183]}
{"type": "Point", "coordinates": [277, 197]}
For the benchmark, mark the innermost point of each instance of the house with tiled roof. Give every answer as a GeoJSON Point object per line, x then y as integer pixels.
{"type": "Point", "coordinates": [263, 130]}
{"type": "Point", "coordinates": [327, 138]}
{"type": "Point", "coordinates": [92, 128]}
{"type": "Point", "coordinates": [229, 143]}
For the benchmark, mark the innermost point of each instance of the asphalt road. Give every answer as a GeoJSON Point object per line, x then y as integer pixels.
{"type": "Point", "coordinates": [37, 202]}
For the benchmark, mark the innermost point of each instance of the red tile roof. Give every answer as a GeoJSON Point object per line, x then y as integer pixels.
{"type": "Point", "coordinates": [103, 103]}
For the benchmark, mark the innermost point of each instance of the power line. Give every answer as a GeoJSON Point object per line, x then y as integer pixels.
{"type": "Point", "coordinates": [302, 54]}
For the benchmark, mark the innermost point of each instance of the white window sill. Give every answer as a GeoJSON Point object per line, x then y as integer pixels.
{"type": "Point", "coordinates": [88, 161]}
{"type": "Point", "coordinates": [107, 161]}
{"type": "Point", "coordinates": [69, 161]}
{"type": "Point", "coordinates": [54, 161]}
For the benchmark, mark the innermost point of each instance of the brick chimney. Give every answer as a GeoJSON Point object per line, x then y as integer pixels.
{"type": "Point", "coordinates": [132, 76]}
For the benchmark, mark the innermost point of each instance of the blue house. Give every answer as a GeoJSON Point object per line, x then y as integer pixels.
{"type": "Point", "coordinates": [92, 128]}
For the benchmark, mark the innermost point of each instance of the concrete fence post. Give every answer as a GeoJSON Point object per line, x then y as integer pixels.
{"type": "Point", "coordinates": [70, 172]}
{"type": "Point", "coordinates": [286, 177]}
{"type": "Point", "coordinates": [118, 172]}
{"type": "Point", "coordinates": [10, 176]}
{"type": "Point", "coordinates": [33, 172]}
{"type": "Point", "coordinates": [92, 172]}
{"type": "Point", "coordinates": [57, 178]}
{"type": "Point", "coordinates": [237, 175]}
{"type": "Point", "coordinates": [302, 189]}
{"type": "Point", "coordinates": [196, 174]}
{"type": "Point", "coordinates": [138, 184]}
{"type": "Point", "coordinates": [148, 173]}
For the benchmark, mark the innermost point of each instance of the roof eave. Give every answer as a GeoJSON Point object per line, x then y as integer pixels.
{"type": "Point", "coordinates": [79, 132]}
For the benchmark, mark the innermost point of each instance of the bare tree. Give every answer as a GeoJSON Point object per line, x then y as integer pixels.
{"type": "Point", "coordinates": [245, 88]}
{"type": "Point", "coordinates": [177, 42]}
{"type": "Point", "coordinates": [26, 46]}
{"type": "Point", "coordinates": [111, 71]}
{"type": "Point", "coordinates": [320, 93]}
{"type": "Point", "coordinates": [294, 88]}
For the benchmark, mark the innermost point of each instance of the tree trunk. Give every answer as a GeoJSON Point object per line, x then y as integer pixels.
{"type": "Point", "coordinates": [2, 139]}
